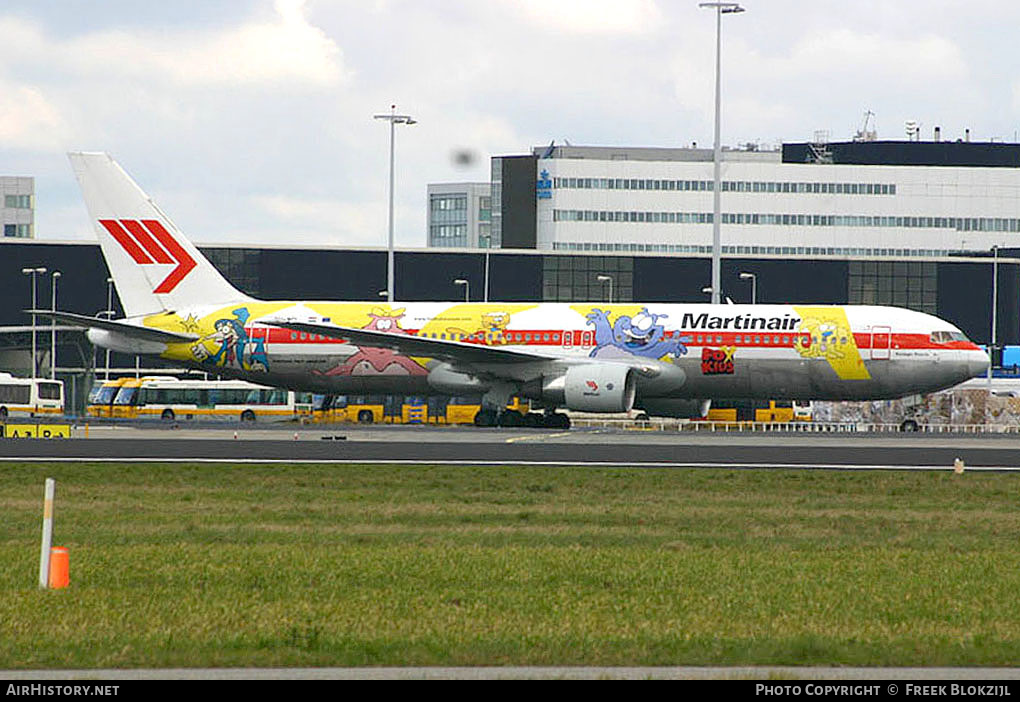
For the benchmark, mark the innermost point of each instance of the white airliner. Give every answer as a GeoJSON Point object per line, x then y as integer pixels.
{"type": "Point", "coordinates": [667, 359]}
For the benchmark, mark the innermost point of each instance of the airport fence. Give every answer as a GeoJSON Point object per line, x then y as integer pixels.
{"type": "Point", "coordinates": [791, 427]}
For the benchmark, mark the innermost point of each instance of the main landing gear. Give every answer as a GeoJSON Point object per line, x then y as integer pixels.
{"type": "Point", "coordinates": [512, 418]}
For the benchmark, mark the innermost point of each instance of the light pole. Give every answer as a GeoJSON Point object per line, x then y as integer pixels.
{"type": "Point", "coordinates": [721, 8]}
{"type": "Point", "coordinates": [467, 288]}
{"type": "Point", "coordinates": [53, 328]}
{"type": "Point", "coordinates": [609, 279]}
{"type": "Point", "coordinates": [485, 292]}
{"type": "Point", "coordinates": [33, 272]}
{"type": "Point", "coordinates": [109, 315]}
{"type": "Point", "coordinates": [754, 285]}
{"type": "Point", "coordinates": [995, 309]}
{"type": "Point", "coordinates": [394, 119]}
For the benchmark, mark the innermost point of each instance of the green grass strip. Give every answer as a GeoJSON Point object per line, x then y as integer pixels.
{"type": "Point", "coordinates": [213, 565]}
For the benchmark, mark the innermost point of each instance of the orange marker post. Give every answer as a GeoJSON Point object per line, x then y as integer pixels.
{"type": "Point", "coordinates": [60, 567]}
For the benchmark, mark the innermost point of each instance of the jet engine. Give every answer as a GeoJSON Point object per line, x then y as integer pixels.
{"type": "Point", "coordinates": [601, 387]}
{"type": "Point", "coordinates": [446, 380]}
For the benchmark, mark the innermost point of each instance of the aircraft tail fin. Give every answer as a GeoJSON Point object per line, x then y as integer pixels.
{"type": "Point", "coordinates": [154, 266]}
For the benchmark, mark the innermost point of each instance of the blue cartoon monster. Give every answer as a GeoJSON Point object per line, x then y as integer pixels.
{"type": "Point", "coordinates": [640, 335]}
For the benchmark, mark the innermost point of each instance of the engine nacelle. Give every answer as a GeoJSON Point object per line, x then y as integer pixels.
{"type": "Point", "coordinates": [599, 387]}
{"type": "Point", "coordinates": [676, 407]}
{"type": "Point", "coordinates": [446, 380]}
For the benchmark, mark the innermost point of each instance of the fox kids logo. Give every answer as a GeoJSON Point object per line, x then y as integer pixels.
{"type": "Point", "coordinates": [717, 361]}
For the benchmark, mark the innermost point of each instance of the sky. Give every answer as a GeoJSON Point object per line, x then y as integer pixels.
{"type": "Point", "coordinates": [251, 121]}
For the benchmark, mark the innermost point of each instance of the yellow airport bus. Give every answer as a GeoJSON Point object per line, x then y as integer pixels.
{"type": "Point", "coordinates": [395, 409]}
{"type": "Point", "coordinates": [30, 397]}
{"type": "Point", "coordinates": [101, 397]}
{"type": "Point", "coordinates": [171, 399]}
{"type": "Point", "coordinates": [758, 411]}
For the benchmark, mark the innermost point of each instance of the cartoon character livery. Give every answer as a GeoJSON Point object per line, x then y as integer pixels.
{"type": "Point", "coordinates": [236, 348]}
{"type": "Point", "coordinates": [639, 335]}
{"type": "Point", "coordinates": [664, 358]}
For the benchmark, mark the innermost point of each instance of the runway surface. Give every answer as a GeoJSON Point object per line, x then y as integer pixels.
{"type": "Point", "coordinates": [429, 445]}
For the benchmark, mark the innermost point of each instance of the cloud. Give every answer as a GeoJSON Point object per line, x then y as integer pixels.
{"type": "Point", "coordinates": [326, 221]}
{"type": "Point", "coordinates": [899, 59]}
{"type": "Point", "coordinates": [591, 16]}
{"type": "Point", "coordinates": [28, 120]}
{"type": "Point", "coordinates": [284, 49]}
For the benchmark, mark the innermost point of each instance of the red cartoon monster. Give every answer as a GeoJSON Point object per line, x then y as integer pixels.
{"type": "Point", "coordinates": [375, 361]}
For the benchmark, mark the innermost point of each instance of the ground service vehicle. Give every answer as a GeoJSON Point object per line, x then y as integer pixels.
{"type": "Point", "coordinates": [30, 396]}
{"type": "Point", "coordinates": [411, 409]}
{"type": "Point", "coordinates": [750, 411]}
{"type": "Point", "coordinates": [171, 399]}
{"type": "Point", "coordinates": [101, 397]}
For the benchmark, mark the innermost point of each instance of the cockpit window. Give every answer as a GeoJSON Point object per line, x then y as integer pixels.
{"type": "Point", "coordinates": [944, 337]}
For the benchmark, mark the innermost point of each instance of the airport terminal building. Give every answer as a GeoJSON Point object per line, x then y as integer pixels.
{"type": "Point", "coordinates": [890, 199]}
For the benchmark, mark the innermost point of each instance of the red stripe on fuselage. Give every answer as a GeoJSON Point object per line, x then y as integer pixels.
{"type": "Point", "coordinates": [555, 338]}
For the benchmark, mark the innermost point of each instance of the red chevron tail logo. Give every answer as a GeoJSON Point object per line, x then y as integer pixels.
{"type": "Point", "coordinates": [148, 242]}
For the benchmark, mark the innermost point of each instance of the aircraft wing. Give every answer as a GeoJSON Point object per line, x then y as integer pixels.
{"type": "Point", "coordinates": [455, 352]}
{"type": "Point", "coordinates": [118, 326]}
{"type": "Point", "coordinates": [408, 345]}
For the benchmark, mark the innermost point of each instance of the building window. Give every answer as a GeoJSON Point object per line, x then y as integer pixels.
{"type": "Point", "coordinates": [21, 202]}
{"type": "Point", "coordinates": [910, 284]}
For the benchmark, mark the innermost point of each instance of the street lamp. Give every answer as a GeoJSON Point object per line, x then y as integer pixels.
{"type": "Point", "coordinates": [754, 285]}
{"type": "Point", "coordinates": [467, 288]}
{"type": "Point", "coordinates": [721, 8]}
{"type": "Point", "coordinates": [995, 309]}
{"type": "Point", "coordinates": [394, 119]}
{"type": "Point", "coordinates": [609, 279]}
{"type": "Point", "coordinates": [109, 315]}
{"type": "Point", "coordinates": [53, 328]}
{"type": "Point", "coordinates": [33, 272]}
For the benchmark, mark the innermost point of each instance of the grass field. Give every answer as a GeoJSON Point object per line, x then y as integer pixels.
{"type": "Point", "coordinates": [212, 565]}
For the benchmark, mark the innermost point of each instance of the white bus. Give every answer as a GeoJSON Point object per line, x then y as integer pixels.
{"type": "Point", "coordinates": [171, 400]}
{"type": "Point", "coordinates": [30, 396]}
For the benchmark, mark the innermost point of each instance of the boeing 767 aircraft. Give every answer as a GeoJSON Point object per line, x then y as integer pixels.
{"type": "Point", "coordinates": [667, 359]}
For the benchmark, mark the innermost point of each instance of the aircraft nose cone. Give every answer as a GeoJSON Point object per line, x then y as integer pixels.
{"type": "Point", "coordinates": [977, 363]}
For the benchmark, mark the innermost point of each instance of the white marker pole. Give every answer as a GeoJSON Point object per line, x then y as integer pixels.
{"type": "Point", "coordinates": [47, 535]}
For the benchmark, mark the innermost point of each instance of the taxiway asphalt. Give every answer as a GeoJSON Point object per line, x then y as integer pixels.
{"type": "Point", "coordinates": [451, 445]}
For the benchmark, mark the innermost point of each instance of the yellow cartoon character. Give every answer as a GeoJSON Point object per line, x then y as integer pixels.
{"type": "Point", "coordinates": [492, 326]}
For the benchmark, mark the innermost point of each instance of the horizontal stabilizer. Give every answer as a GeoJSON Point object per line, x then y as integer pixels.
{"type": "Point", "coordinates": [119, 326]}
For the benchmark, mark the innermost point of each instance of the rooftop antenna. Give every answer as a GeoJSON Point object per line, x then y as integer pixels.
{"type": "Point", "coordinates": [864, 134]}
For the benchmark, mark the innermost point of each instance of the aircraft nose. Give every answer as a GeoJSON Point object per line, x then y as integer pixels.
{"type": "Point", "coordinates": [977, 362]}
